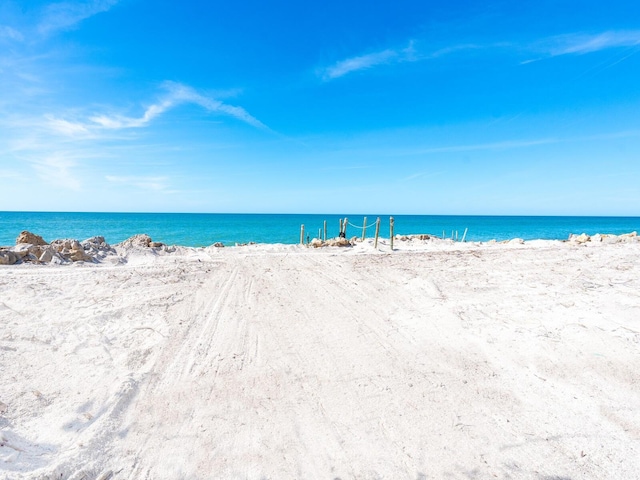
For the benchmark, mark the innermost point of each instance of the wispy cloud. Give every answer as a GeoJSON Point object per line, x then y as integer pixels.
{"type": "Point", "coordinates": [515, 144]}
{"type": "Point", "coordinates": [580, 43]}
{"type": "Point", "coordinates": [66, 15]}
{"type": "Point", "coordinates": [10, 33]}
{"type": "Point", "coordinates": [67, 128]}
{"type": "Point", "coordinates": [176, 94]}
{"type": "Point", "coordinates": [58, 169]}
{"type": "Point", "coordinates": [152, 183]}
{"type": "Point", "coordinates": [503, 145]}
{"type": "Point", "coordinates": [568, 44]}
{"type": "Point", "coordinates": [410, 53]}
{"type": "Point", "coordinates": [363, 62]}
{"type": "Point", "coordinates": [420, 175]}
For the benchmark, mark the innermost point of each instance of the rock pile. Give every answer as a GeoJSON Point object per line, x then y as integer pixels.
{"type": "Point", "coordinates": [583, 238]}
{"type": "Point", "coordinates": [32, 248]}
{"type": "Point", "coordinates": [143, 241]}
{"type": "Point", "coordinates": [334, 242]}
{"type": "Point", "coordinates": [408, 238]}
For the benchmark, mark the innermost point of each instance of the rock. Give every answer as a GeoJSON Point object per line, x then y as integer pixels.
{"type": "Point", "coordinates": [218, 245]}
{"type": "Point", "coordinates": [338, 242]}
{"type": "Point", "coordinates": [629, 237]}
{"type": "Point", "coordinates": [610, 239]}
{"type": "Point", "coordinates": [156, 244]}
{"type": "Point", "coordinates": [597, 238]}
{"type": "Point", "coordinates": [66, 246]}
{"type": "Point", "coordinates": [46, 256]}
{"type": "Point", "coordinates": [317, 243]}
{"type": "Point", "coordinates": [79, 256]}
{"type": "Point", "coordinates": [582, 238]}
{"type": "Point", "coordinates": [516, 241]}
{"type": "Point", "coordinates": [28, 237]}
{"type": "Point", "coordinates": [97, 248]}
{"type": "Point", "coordinates": [140, 240]}
{"type": "Point", "coordinates": [24, 249]}
{"type": "Point", "coordinates": [8, 258]}
{"type": "Point", "coordinates": [70, 249]}
{"type": "Point", "coordinates": [95, 244]}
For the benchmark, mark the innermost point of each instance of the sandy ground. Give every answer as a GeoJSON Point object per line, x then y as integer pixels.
{"type": "Point", "coordinates": [463, 361]}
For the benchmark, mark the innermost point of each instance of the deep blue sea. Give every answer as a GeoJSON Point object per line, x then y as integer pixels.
{"type": "Point", "coordinates": [195, 229]}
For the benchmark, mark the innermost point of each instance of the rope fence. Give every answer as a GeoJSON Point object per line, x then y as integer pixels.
{"type": "Point", "coordinates": [322, 232]}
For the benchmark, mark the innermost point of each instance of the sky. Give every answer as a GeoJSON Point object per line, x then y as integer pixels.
{"type": "Point", "coordinates": [405, 107]}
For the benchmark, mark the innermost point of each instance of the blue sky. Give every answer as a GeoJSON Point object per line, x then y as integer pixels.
{"type": "Point", "coordinates": [407, 107]}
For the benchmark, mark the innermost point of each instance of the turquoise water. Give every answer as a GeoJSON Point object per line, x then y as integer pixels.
{"type": "Point", "coordinates": [192, 229]}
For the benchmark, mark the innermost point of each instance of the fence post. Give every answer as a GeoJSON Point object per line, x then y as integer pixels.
{"type": "Point", "coordinates": [375, 243]}
{"type": "Point", "coordinates": [344, 226]}
{"type": "Point", "coordinates": [364, 228]}
{"type": "Point", "coordinates": [391, 231]}
{"type": "Point", "coordinates": [325, 231]}
{"type": "Point", "coordinates": [302, 234]}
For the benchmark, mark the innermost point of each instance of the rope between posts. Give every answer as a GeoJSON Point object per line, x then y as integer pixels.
{"type": "Point", "coordinates": [356, 226]}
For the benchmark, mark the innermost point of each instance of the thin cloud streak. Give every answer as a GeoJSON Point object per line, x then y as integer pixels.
{"type": "Point", "coordinates": [57, 169]}
{"type": "Point", "coordinates": [66, 15]}
{"type": "Point", "coordinates": [155, 184]}
{"type": "Point", "coordinates": [177, 94]}
{"type": "Point", "coordinates": [485, 146]}
{"type": "Point", "coordinates": [362, 62]}
{"type": "Point", "coordinates": [385, 57]}
{"type": "Point", "coordinates": [421, 175]}
{"type": "Point", "coordinates": [569, 44]}
{"type": "Point", "coordinates": [580, 44]}
{"type": "Point", "coordinates": [510, 144]}
{"type": "Point", "coordinates": [10, 33]}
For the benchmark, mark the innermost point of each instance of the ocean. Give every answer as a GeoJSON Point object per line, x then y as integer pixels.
{"type": "Point", "coordinates": [196, 229]}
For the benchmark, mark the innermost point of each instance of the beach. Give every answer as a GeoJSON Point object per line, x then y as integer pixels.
{"type": "Point", "coordinates": [435, 360]}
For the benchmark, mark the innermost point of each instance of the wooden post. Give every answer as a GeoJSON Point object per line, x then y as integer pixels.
{"type": "Point", "coordinates": [319, 234]}
{"type": "Point", "coordinates": [340, 231]}
{"type": "Point", "coordinates": [375, 243]}
{"type": "Point", "coordinates": [391, 232]}
{"type": "Point", "coordinates": [344, 226]}
{"type": "Point", "coordinates": [465, 234]}
{"type": "Point", "coordinates": [325, 231]}
{"type": "Point", "coordinates": [302, 234]}
{"type": "Point", "coordinates": [364, 228]}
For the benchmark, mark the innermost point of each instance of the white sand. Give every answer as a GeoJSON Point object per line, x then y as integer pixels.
{"type": "Point", "coordinates": [446, 361]}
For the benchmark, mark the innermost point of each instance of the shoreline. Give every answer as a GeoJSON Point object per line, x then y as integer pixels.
{"type": "Point", "coordinates": [32, 248]}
